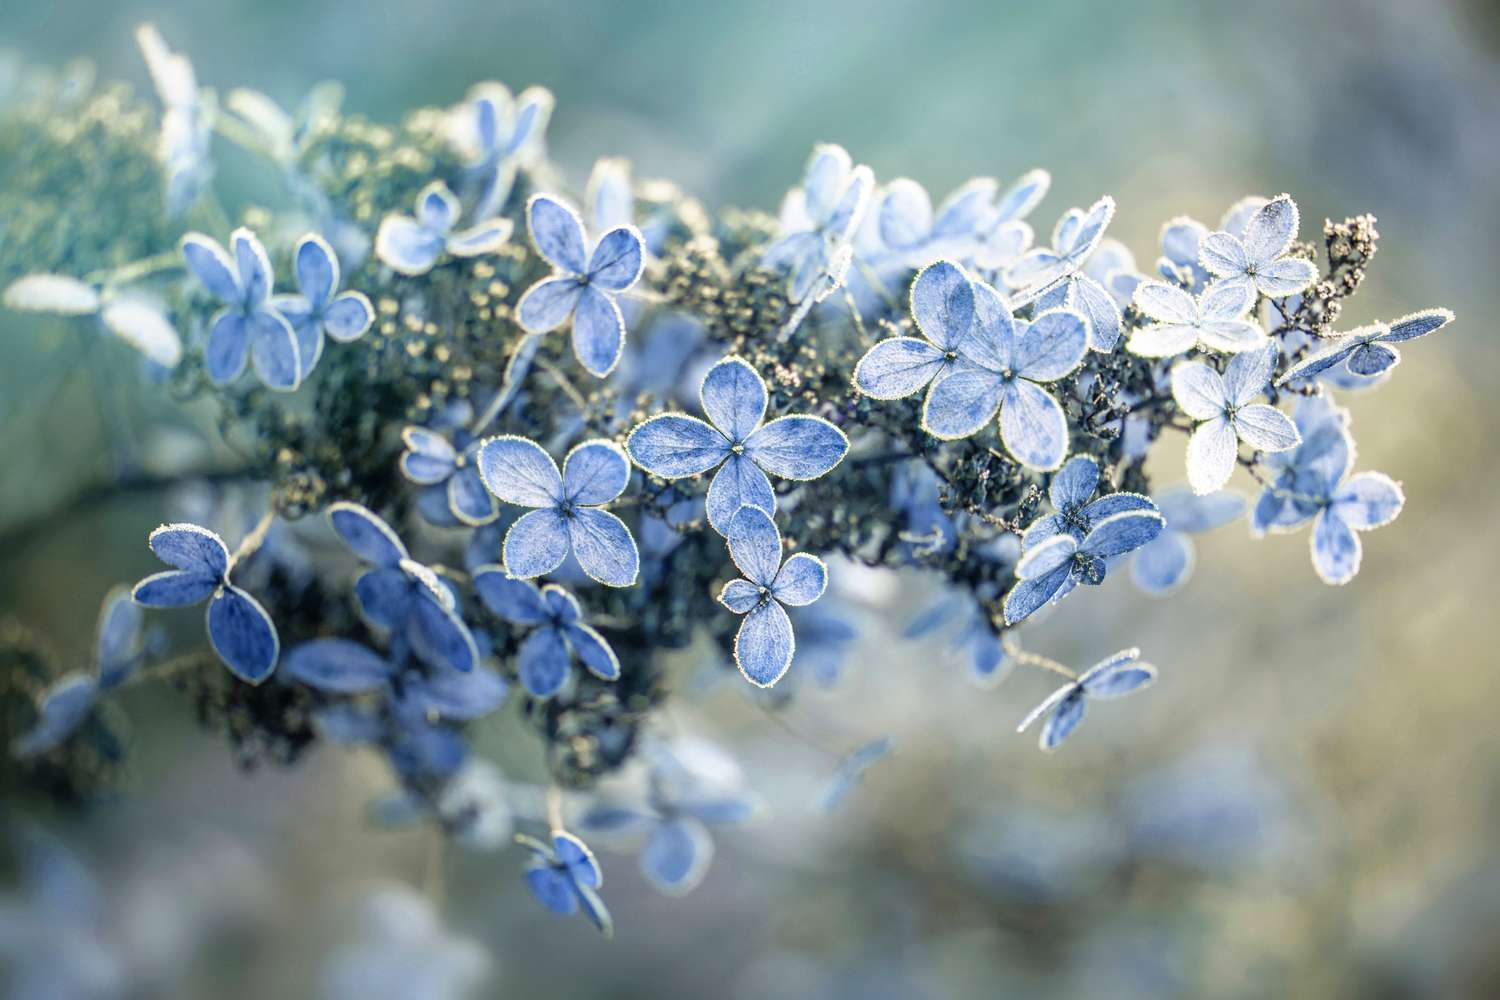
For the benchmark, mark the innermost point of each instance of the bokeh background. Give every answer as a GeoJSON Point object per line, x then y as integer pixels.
{"type": "Point", "coordinates": [1308, 804]}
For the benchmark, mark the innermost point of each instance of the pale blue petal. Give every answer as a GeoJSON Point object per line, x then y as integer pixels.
{"type": "Point", "coordinates": [1286, 276]}
{"type": "Point", "coordinates": [677, 855]}
{"type": "Point", "coordinates": [406, 246]}
{"type": "Point", "coordinates": [764, 644]}
{"type": "Point", "coordinates": [536, 544]}
{"type": "Point", "coordinates": [461, 696]}
{"type": "Point", "coordinates": [604, 547]}
{"type": "Point", "coordinates": [429, 457]}
{"type": "Point", "coordinates": [1094, 301]}
{"type": "Point", "coordinates": [1114, 503]}
{"type": "Point", "coordinates": [1121, 533]}
{"type": "Point", "coordinates": [468, 500]}
{"type": "Point", "coordinates": [801, 580]}
{"type": "Point", "coordinates": [273, 350]}
{"type": "Point", "coordinates": [674, 445]}
{"type": "Point", "coordinates": [598, 332]}
{"type": "Point", "coordinates": [738, 483]}
{"type": "Point", "coordinates": [348, 316]}
{"type": "Point", "coordinates": [558, 233]}
{"type": "Point", "coordinates": [1199, 390]}
{"type": "Point", "coordinates": [174, 589]}
{"type": "Point", "coordinates": [1052, 346]}
{"type": "Point", "coordinates": [1336, 550]}
{"type": "Point", "coordinates": [189, 547]}
{"type": "Point", "coordinates": [962, 402]}
{"type": "Point", "coordinates": [543, 663]}
{"type": "Point", "coordinates": [1247, 375]}
{"type": "Point", "coordinates": [1074, 483]}
{"type": "Point", "coordinates": [242, 634]}
{"type": "Point", "coordinates": [1030, 594]}
{"type": "Point", "coordinates": [1265, 428]}
{"type": "Point", "coordinates": [118, 644]}
{"type": "Point", "coordinates": [62, 709]}
{"type": "Point", "coordinates": [1368, 500]}
{"type": "Point", "coordinates": [755, 545]}
{"type": "Point", "coordinates": [577, 860]}
{"type": "Point", "coordinates": [797, 447]}
{"type": "Point", "coordinates": [212, 266]}
{"type": "Point", "coordinates": [308, 330]}
{"type": "Point", "coordinates": [1211, 455]}
{"type": "Point", "coordinates": [561, 604]}
{"type": "Point", "coordinates": [1163, 565]}
{"type": "Point", "coordinates": [1187, 512]}
{"type": "Point", "coordinates": [552, 889]}
{"type": "Point", "coordinates": [317, 269]}
{"type": "Point", "coordinates": [385, 597]}
{"type": "Point", "coordinates": [740, 596]}
{"type": "Point", "coordinates": [485, 238]}
{"type": "Point", "coordinates": [898, 367]}
{"type": "Point", "coordinates": [593, 652]}
{"type": "Point", "coordinates": [968, 209]}
{"type": "Point", "coordinates": [338, 666]}
{"type": "Point", "coordinates": [1223, 254]}
{"type": "Point", "coordinates": [617, 260]}
{"type": "Point", "coordinates": [366, 534]}
{"type": "Point", "coordinates": [439, 636]}
{"type": "Point", "coordinates": [548, 304]}
{"type": "Point", "coordinates": [905, 216]}
{"type": "Point", "coordinates": [1270, 231]}
{"type": "Point", "coordinates": [991, 344]}
{"type": "Point", "coordinates": [1033, 426]}
{"type": "Point", "coordinates": [1118, 680]}
{"type": "Point", "coordinates": [734, 398]}
{"type": "Point", "coordinates": [942, 303]}
{"type": "Point", "coordinates": [824, 182]}
{"type": "Point", "coordinates": [1418, 324]}
{"type": "Point", "coordinates": [595, 472]}
{"type": "Point", "coordinates": [1024, 195]}
{"type": "Point", "coordinates": [1063, 720]}
{"type": "Point", "coordinates": [519, 472]}
{"type": "Point", "coordinates": [1373, 359]}
{"type": "Point", "coordinates": [254, 266]}
{"type": "Point", "coordinates": [517, 601]}
{"type": "Point", "coordinates": [228, 346]}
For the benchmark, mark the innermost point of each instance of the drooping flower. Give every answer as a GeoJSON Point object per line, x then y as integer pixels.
{"type": "Point", "coordinates": [248, 325]}
{"type": "Point", "coordinates": [1214, 321]}
{"type": "Point", "coordinates": [1367, 350]}
{"type": "Point", "coordinates": [737, 442]}
{"type": "Point", "coordinates": [413, 245]}
{"type": "Point", "coordinates": [764, 645]}
{"type": "Point", "coordinates": [564, 877]}
{"type": "Point", "coordinates": [1054, 277]}
{"type": "Point", "coordinates": [1161, 566]}
{"type": "Point", "coordinates": [1225, 415]}
{"type": "Point", "coordinates": [567, 515]}
{"type": "Point", "coordinates": [1076, 511]}
{"type": "Point", "coordinates": [1114, 677]}
{"type": "Point", "coordinates": [1257, 259]}
{"type": "Point", "coordinates": [1049, 570]}
{"type": "Point", "coordinates": [818, 222]}
{"type": "Point", "coordinates": [559, 632]}
{"type": "Point", "coordinates": [584, 284]}
{"type": "Point", "coordinates": [239, 629]}
{"type": "Point", "coordinates": [320, 307]}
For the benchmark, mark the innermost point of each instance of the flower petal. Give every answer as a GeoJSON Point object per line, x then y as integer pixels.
{"type": "Point", "coordinates": [674, 445]}
{"type": "Point", "coordinates": [1266, 428]}
{"type": "Point", "coordinates": [468, 500]}
{"type": "Point", "coordinates": [764, 645]}
{"type": "Point", "coordinates": [63, 708]}
{"type": "Point", "coordinates": [317, 269]}
{"type": "Point", "coordinates": [476, 241]}
{"type": "Point", "coordinates": [961, 403]}
{"type": "Point", "coordinates": [439, 636]}
{"type": "Point", "coordinates": [1199, 390]}
{"type": "Point", "coordinates": [367, 534]}
{"type": "Point", "coordinates": [604, 547]}
{"type": "Point", "coordinates": [348, 316]}
{"type": "Point", "coordinates": [593, 651]}
{"type": "Point", "coordinates": [519, 472]}
{"type": "Point", "coordinates": [273, 351]}
{"type": "Point", "coordinates": [734, 398]}
{"type": "Point", "coordinates": [740, 596]}
{"type": "Point", "coordinates": [598, 332]}
{"type": "Point", "coordinates": [174, 589]}
{"type": "Point", "coordinates": [1270, 231]}
{"type": "Point", "coordinates": [1211, 454]}
{"type": "Point", "coordinates": [548, 304]}
{"type": "Point", "coordinates": [385, 597]}
{"type": "Point", "coordinates": [897, 367]}
{"type": "Point", "coordinates": [801, 580]}
{"type": "Point", "coordinates": [942, 303]}
{"type": "Point", "coordinates": [1052, 346]}
{"type": "Point", "coordinates": [1063, 720]}
{"type": "Point", "coordinates": [1336, 549]}
{"type": "Point", "coordinates": [517, 601]}
{"type": "Point", "coordinates": [213, 267]}
{"type": "Point", "coordinates": [1074, 483]}
{"type": "Point", "coordinates": [543, 663]}
{"type": "Point", "coordinates": [798, 447]}
{"type": "Point", "coordinates": [189, 547]}
{"type": "Point", "coordinates": [1286, 276]}
{"type": "Point", "coordinates": [1368, 500]}
{"type": "Point", "coordinates": [1223, 254]}
{"type": "Point", "coordinates": [557, 232]}
{"type": "Point", "coordinates": [1121, 533]}
{"type": "Point", "coordinates": [338, 666]}
{"type": "Point", "coordinates": [738, 483]}
{"type": "Point", "coordinates": [1163, 565]}
{"type": "Point", "coordinates": [242, 634]}
{"type": "Point", "coordinates": [536, 544]}
{"type": "Point", "coordinates": [429, 457]}
{"type": "Point", "coordinates": [1033, 426]}
{"type": "Point", "coordinates": [755, 545]}
{"type": "Point", "coordinates": [406, 246]}
{"type": "Point", "coordinates": [617, 260]}
{"type": "Point", "coordinates": [228, 346]}
{"type": "Point", "coordinates": [677, 855]}
{"type": "Point", "coordinates": [595, 472]}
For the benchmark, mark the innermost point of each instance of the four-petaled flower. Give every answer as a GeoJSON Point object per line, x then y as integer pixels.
{"type": "Point", "coordinates": [320, 307]}
{"type": "Point", "coordinates": [559, 631]}
{"type": "Point", "coordinates": [1163, 565]}
{"type": "Point", "coordinates": [736, 442]}
{"type": "Point", "coordinates": [942, 305]}
{"type": "Point", "coordinates": [1049, 570]}
{"type": "Point", "coordinates": [1076, 511]}
{"type": "Point", "coordinates": [1368, 349]}
{"type": "Point", "coordinates": [247, 325]}
{"type": "Point", "coordinates": [501, 130]}
{"type": "Point", "coordinates": [238, 627]}
{"type": "Point", "coordinates": [411, 246]}
{"type": "Point", "coordinates": [1002, 365]}
{"type": "Point", "coordinates": [583, 284]}
{"type": "Point", "coordinates": [1256, 259]}
{"type": "Point", "coordinates": [1055, 277]}
{"type": "Point", "coordinates": [764, 645]}
{"type": "Point", "coordinates": [1114, 677]}
{"type": "Point", "coordinates": [1222, 407]}
{"type": "Point", "coordinates": [565, 877]}
{"type": "Point", "coordinates": [818, 221]}
{"type": "Point", "coordinates": [402, 596]}
{"type": "Point", "coordinates": [1214, 321]}
{"type": "Point", "coordinates": [431, 460]}
{"type": "Point", "coordinates": [567, 515]}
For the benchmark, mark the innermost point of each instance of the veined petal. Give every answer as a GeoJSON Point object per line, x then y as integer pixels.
{"type": "Point", "coordinates": [942, 303]}
{"type": "Point", "coordinates": [1199, 390]}
{"type": "Point", "coordinates": [1223, 254]}
{"type": "Point", "coordinates": [740, 596]}
{"type": "Point", "coordinates": [517, 601]}
{"type": "Point", "coordinates": [598, 332]}
{"type": "Point", "coordinates": [595, 472]}
{"type": "Point", "coordinates": [429, 457]}
{"type": "Point", "coordinates": [898, 367]}
{"type": "Point", "coordinates": [1162, 340]}
{"type": "Point", "coordinates": [558, 233]}
{"type": "Point", "coordinates": [1121, 533]}
{"type": "Point", "coordinates": [228, 346]}
{"type": "Point", "coordinates": [1063, 720]}
{"type": "Point", "coordinates": [317, 269]}
{"type": "Point", "coordinates": [674, 445]}
{"type": "Point", "coordinates": [1336, 549]}
{"type": "Point", "coordinates": [543, 663]}
{"type": "Point", "coordinates": [764, 645]}
{"type": "Point", "coordinates": [367, 534]}
{"type": "Point", "coordinates": [738, 483]}
{"type": "Point", "coordinates": [174, 588]}
{"type": "Point", "coordinates": [755, 545]}
{"type": "Point", "coordinates": [468, 499]}
{"type": "Point", "coordinates": [604, 547]}
{"type": "Point", "coordinates": [1052, 346]}
{"type": "Point", "coordinates": [274, 352]}
{"type": "Point", "coordinates": [339, 666]}
{"type": "Point", "coordinates": [617, 259]}
{"type": "Point", "coordinates": [406, 246]}
{"type": "Point", "coordinates": [1033, 426]}
{"type": "Point", "coordinates": [1265, 428]}
{"type": "Point", "coordinates": [593, 651]}
{"type": "Point", "coordinates": [962, 402]}
{"type": "Point", "coordinates": [192, 548]}
{"type": "Point", "coordinates": [242, 634]}
{"type": "Point", "coordinates": [1368, 500]}
{"type": "Point", "coordinates": [1270, 231]}
{"type": "Point", "coordinates": [536, 544]}
{"type": "Point", "coordinates": [213, 267]}
{"type": "Point", "coordinates": [797, 447]}
{"type": "Point", "coordinates": [734, 398]}
{"type": "Point", "coordinates": [519, 472]}
{"type": "Point", "coordinates": [1286, 276]}
{"type": "Point", "coordinates": [1074, 483]}
{"type": "Point", "coordinates": [1211, 454]}
{"type": "Point", "coordinates": [801, 580]}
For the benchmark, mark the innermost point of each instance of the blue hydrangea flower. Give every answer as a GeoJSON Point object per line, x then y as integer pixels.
{"type": "Point", "coordinates": [1367, 351]}
{"type": "Point", "coordinates": [1161, 566]}
{"type": "Point", "coordinates": [584, 284]}
{"type": "Point", "coordinates": [1326, 451]}
{"type": "Point", "coordinates": [967, 226]}
{"type": "Point", "coordinates": [1113, 266]}
{"type": "Point", "coordinates": [737, 442]}
{"type": "Point", "coordinates": [1075, 510]}
{"type": "Point", "coordinates": [818, 223]}
{"type": "Point", "coordinates": [1055, 277]}
{"type": "Point", "coordinates": [499, 131]}
{"type": "Point", "coordinates": [1181, 242]}
{"type": "Point", "coordinates": [401, 596]}
{"type": "Point", "coordinates": [320, 307]}
{"type": "Point", "coordinates": [564, 877]}
{"type": "Point", "coordinates": [1225, 415]}
{"type": "Point", "coordinates": [568, 514]}
{"type": "Point", "coordinates": [1214, 321]}
{"type": "Point", "coordinates": [337, 666]}
{"type": "Point", "coordinates": [1256, 259]}
{"type": "Point", "coordinates": [247, 326]}
{"type": "Point", "coordinates": [1114, 677]}
{"type": "Point", "coordinates": [1003, 365]}
{"type": "Point", "coordinates": [559, 632]}
{"type": "Point", "coordinates": [1005, 237]}
{"type": "Point", "coordinates": [186, 121]}
{"type": "Point", "coordinates": [1049, 570]}
{"type": "Point", "coordinates": [608, 195]}
{"type": "Point", "coordinates": [411, 246]}
{"type": "Point", "coordinates": [431, 460]}
{"type": "Point", "coordinates": [238, 627]}
{"type": "Point", "coordinates": [421, 695]}
{"type": "Point", "coordinates": [852, 769]}
{"type": "Point", "coordinates": [764, 645]}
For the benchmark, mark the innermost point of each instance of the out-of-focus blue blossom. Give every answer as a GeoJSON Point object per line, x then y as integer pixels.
{"type": "Point", "coordinates": [433, 461]}
{"type": "Point", "coordinates": [1113, 677]}
{"type": "Point", "coordinates": [584, 284]}
{"type": "Point", "coordinates": [238, 627]}
{"type": "Point", "coordinates": [248, 325]}
{"type": "Point", "coordinates": [558, 634]}
{"type": "Point", "coordinates": [852, 769]}
{"type": "Point", "coordinates": [1055, 277]}
{"type": "Point", "coordinates": [968, 226]}
{"type": "Point", "coordinates": [818, 223]}
{"type": "Point", "coordinates": [1368, 351]}
{"type": "Point", "coordinates": [1225, 416]}
{"type": "Point", "coordinates": [402, 950]}
{"type": "Point", "coordinates": [1161, 566]}
{"type": "Point", "coordinates": [1257, 257]}
{"type": "Point", "coordinates": [186, 121]}
{"type": "Point", "coordinates": [1214, 321]}
{"type": "Point", "coordinates": [1181, 242]}
{"type": "Point", "coordinates": [927, 529]}
{"type": "Point", "coordinates": [136, 318]}
{"type": "Point", "coordinates": [400, 595]}
{"type": "Point", "coordinates": [499, 133]}
{"type": "Point", "coordinates": [764, 645]}
{"type": "Point", "coordinates": [737, 442]}
{"type": "Point", "coordinates": [568, 514]}
{"type": "Point", "coordinates": [826, 635]}
{"type": "Point", "coordinates": [319, 307]}
{"type": "Point", "coordinates": [1113, 266]}
{"type": "Point", "coordinates": [564, 877]}
{"type": "Point", "coordinates": [1049, 570]}
{"type": "Point", "coordinates": [1037, 857]}
{"type": "Point", "coordinates": [412, 245]}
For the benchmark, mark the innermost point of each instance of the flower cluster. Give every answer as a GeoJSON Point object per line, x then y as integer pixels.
{"type": "Point", "coordinates": [734, 417]}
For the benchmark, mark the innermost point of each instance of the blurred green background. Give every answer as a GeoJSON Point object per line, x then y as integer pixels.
{"type": "Point", "coordinates": [1370, 707]}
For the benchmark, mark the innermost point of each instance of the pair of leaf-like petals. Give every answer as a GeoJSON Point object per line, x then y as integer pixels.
{"type": "Point", "coordinates": [765, 643]}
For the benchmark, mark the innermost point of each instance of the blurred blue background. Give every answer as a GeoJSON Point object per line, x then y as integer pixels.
{"type": "Point", "coordinates": [1327, 757]}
